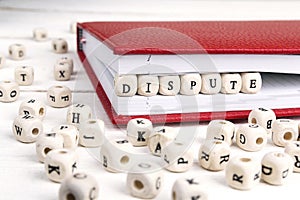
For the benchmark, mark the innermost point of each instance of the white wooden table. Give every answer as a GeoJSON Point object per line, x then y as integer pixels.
{"type": "Point", "coordinates": [21, 175]}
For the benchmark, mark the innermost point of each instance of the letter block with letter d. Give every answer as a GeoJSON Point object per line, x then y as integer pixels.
{"type": "Point", "coordinates": [125, 85]}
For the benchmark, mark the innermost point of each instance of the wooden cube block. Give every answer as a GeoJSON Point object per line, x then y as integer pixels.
{"type": "Point", "coordinates": [67, 60]}
{"type": "Point", "coordinates": [190, 84]}
{"type": "Point", "coordinates": [138, 131]}
{"type": "Point", "coordinates": [265, 117]}
{"type": "Point", "coordinates": [293, 149]}
{"type": "Point", "coordinates": [145, 180]}
{"type": "Point", "coordinates": [284, 130]}
{"type": "Point", "coordinates": [46, 142]}
{"type": "Point", "coordinates": [2, 60]}
{"type": "Point", "coordinates": [79, 186]}
{"type": "Point", "coordinates": [160, 138]}
{"type": "Point", "coordinates": [251, 82]}
{"type": "Point", "coordinates": [17, 51]}
{"type": "Point", "coordinates": [24, 75]}
{"type": "Point", "coordinates": [251, 137]}
{"type": "Point", "coordinates": [62, 71]}
{"type": "Point", "coordinates": [125, 85]}
{"type": "Point", "coordinates": [60, 45]}
{"type": "Point", "coordinates": [9, 91]}
{"type": "Point", "coordinates": [276, 167]}
{"type": "Point", "coordinates": [231, 83]}
{"type": "Point", "coordinates": [26, 128]}
{"type": "Point", "coordinates": [222, 130]}
{"type": "Point", "coordinates": [189, 188]}
{"type": "Point", "coordinates": [59, 96]}
{"type": "Point", "coordinates": [91, 133]}
{"type": "Point", "coordinates": [177, 157]}
{"type": "Point", "coordinates": [243, 173]}
{"type": "Point", "coordinates": [148, 85]}
{"type": "Point", "coordinates": [78, 113]}
{"type": "Point", "coordinates": [73, 27]}
{"type": "Point", "coordinates": [169, 85]}
{"type": "Point", "coordinates": [211, 83]}
{"type": "Point", "coordinates": [214, 155]}
{"type": "Point", "coordinates": [33, 107]}
{"type": "Point", "coordinates": [69, 133]}
{"type": "Point", "coordinates": [60, 163]}
{"type": "Point", "coordinates": [40, 34]}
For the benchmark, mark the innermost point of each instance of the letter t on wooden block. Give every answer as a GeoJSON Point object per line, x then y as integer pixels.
{"type": "Point", "coordinates": [125, 85]}
{"type": "Point", "coordinates": [231, 83]}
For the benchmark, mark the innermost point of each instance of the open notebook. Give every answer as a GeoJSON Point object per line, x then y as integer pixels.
{"type": "Point", "coordinates": [105, 58]}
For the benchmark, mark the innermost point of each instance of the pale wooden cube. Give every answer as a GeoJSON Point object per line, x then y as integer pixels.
{"type": "Point", "coordinates": [276, 167]}
{"type": "Point", "coordinates": [62, 71]}
{"type": "Point", "coordinates": [59, 96]}
{"type": "Point", "coordinates": [189, 188]}
{"type": "Point", "coordinates": [138, 131]}
{"type": "Point", "coordinates": [73, 27]}
{"type": "Point", "coordinates": [214, 155]}
{"type": "Point", "coordinates": [125, 85]}
{"type": "Point", "coordinates": [17, 51]}
{"type": "Point", "coordinates": [78, 113]}
{"type": "Point", "coordinates": [177, 157]}
{"type": "Point", "coordinates": [231, 83]}
{"type": "Point", "coordinates": [190, 84]}
{"type": "Point", "coordinates": [60, 163]}
{"type": "Point", "coordinates": [117, 156]}
{"type": "Point", "coordinates": [222, 130]}
{"type": "Point", "coordinates": [40, 34]}
{"type": "Point", "coordinates": [265, 117]}
{"type": "Point", "coordinates": [67, 60]}
{"type": "Point", "coordinates": [251, 137]}
{"type": "Point", "coordinates": [243, 173]}
{"type": "Point", "coordinates": [79, 186]}
{"type": "Point", "coordinates": [211, 83]}
{"type": "Point", "coordinates": [24, 75]}
{"type": "Point", "coordinates": [9, 91]}
{"type": "Point", "coordinates": [91, 133]}
{"type": "Point", "coordinates": [145, 180]}
{"type": "Point", "coordinates": [160, 138]}
{"type": "Point", "coordinates": [148, 85]}
{"type": "Point", "coordinates": [284, 130]}
{"type": "Point", "coordinates": [251, 82]}
{"type": "Point", "coordinates": [26, 128]}
{"type": "Point", "coordinates": [46, 142]}
{"type": "Point", "coordinates": [293, 149]}
{"type": "Point", "coordinates": [169, 85]}
{"type": "Point", "coordinates": [70, 134]}
{"type": "Point", "coordinates": [2, 60]}
{"type": "Point", "coordinates": [60, 45]}
{"type": "Point", "coordinates": [33, 107]}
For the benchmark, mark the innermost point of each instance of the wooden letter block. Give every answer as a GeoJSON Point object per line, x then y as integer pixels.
{"type": "Point", "coordinates": [59, 96]}
{"type": "Point", "coordinates": [138, 131]}
{"type": "Point", "coordinates": [125, 85]}
{"type": "Point", "coordinates": [40, 34]}
{"type": "Point", "coordinates": [231, 83]}
{"type": "Point", "coordinates": [91, 133]}
{"type": "Point", "coordinates": [190, 84]}
{"type": "Point", "coordinates": [33, 107]}
{"type": "Point", "coordinates": [2, 60]}
{"type": "Point", "coordinates": [17, 51]}
{"type": "Point", "coordinates": [148, 85]}
{"type": "Point", "coordinates": [169, 85]}
{"type": "Point", "coordinates": [211, 83]}
{"type": "Point", "coordinates": [62, 71]}
{"type": "Point", "coordinates": [243, 173]}
{"type": "Point", "coordinates": [24, 75]}
{"type": "Point", "coordinates": [264, 117]}
{"type": "Point", "coordinates": [67, 60]}
{"type": "Point", "coordinates": [276, 167]}
{"type": "Point", "coordinates": [9, 91]}
{"type": "Point", "coordinates": [221, 130]}
{"type": "Point", "coordinates": [189, 188]}
{"type": "Point", "coordinates": [70, 135]}
{"type": "Point", "coordinates": [251, 83]}
{"type": "Point", "coordinates": [284, 130]}
{"type": "Point", "coordinates": [293, 149]}
{"type": "Point", "coordinates": [60, 45]}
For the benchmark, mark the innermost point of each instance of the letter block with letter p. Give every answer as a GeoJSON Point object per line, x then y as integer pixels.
{"type": "Point", "coordinates": [125, 85]}
{"type": "Point", "coordinates": [190, 84]}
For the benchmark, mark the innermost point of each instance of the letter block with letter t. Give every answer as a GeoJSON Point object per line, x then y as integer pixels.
{"type": "Point", "coordinates": [24, 75]}
{"type": "Point", "coordinates": [231, 83]}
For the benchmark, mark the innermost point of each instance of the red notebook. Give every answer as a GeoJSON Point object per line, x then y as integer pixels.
{"type": "Point", "coordinates": [217, 39]}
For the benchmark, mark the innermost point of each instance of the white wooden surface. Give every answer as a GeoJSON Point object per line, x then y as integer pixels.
{"type": "Point", "coordinates": [22, 176]}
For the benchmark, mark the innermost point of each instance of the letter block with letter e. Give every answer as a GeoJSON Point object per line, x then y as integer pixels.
{"type": "Point", "coordinates": [78, 113]}
{"type": "Point", "coordinates": [276, 167]}
{"type": "Point", "coordinates": [138, 131]}
{"type": "Point", "coordinates": [60, 163]}
{"type": "Point", "coordinates": [169, 85]}
{"type": "Point", "coordinates": [125, 85]}
{"type": "Point", "coordinates": [190, 84]}
{"type": "Point", "coordinates": [265, 117]}
{"type": "Point", "coordinates": [145, 180]}
{"type": "Point", "coordinates": [79, 186]}
{"type": "Point", "coordinates": [231, 83]}
{"type": "Point", "coordinates": [243, 173]}
{"type": "Point", "coordinates": [9, 91]}
{"type": "Point", "coordinates": [251, 82]}
{"type": "Point", "coordinates": [189, 188]}
{"type": "Point", "coordinates": [24, 75]}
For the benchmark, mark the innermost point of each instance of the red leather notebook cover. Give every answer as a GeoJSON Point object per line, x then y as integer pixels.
{"type": "Point", "coordinates": [257, 37]}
